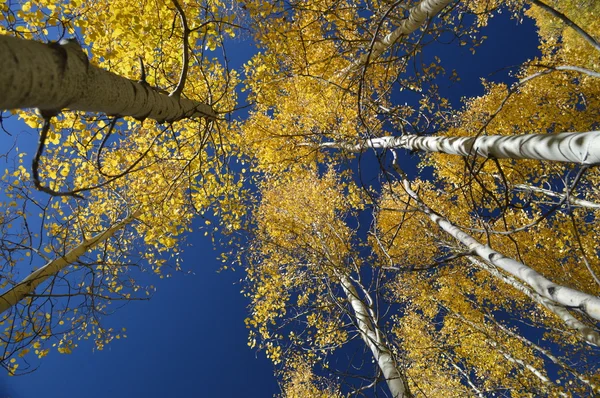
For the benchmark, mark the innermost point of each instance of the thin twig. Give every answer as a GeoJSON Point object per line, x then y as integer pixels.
{"type": "Point", "coordinates": [35, 163]}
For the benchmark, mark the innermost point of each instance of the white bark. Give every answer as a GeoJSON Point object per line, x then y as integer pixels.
{"type": "Point", "coordinates": [572, 200]}
{"type": "Point", "coordinates": [586, 332]}
{"type": "Point", "coordinates": [367, 329]}
{"type": "Point", "coordinates": [568, 297]}
{"type": "Point", "coordinates": [417, 16]}
{"type": "Point", "coordinates": [465, 375]}
{"type": "Point", "coordinates": [33, 280]}
{"type": "Point", "coordinates": [55, 76]}
{"type": "Point", "coordinates": [582, 148]}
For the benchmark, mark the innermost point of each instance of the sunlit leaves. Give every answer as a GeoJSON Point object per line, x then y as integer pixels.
{"type": "Point", "coordinates": [163, 174]}
{"type": "Point", "coordinates": [460, 328]}
{"type": "Point", "coordinates": [301, 240]}
{"type": "Point", "coordinates": [300, 381]}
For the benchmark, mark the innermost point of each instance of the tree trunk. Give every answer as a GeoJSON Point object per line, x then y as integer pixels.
{"type": "Point", "coordinates": [584, 379]}
{"type": "Point", "coordinates": [493, 342]}
{"type": "Point", "coordinates": [586, 332]}
{"type": "Point", "coordinates": [54, 76]}
{"type": "Point", "coordinates": [367, 329]}
{"type": "Point", "coordinates": [581, 148]}
{"type": "Point", "coordinates": [33, 280]}
{"type": "Point", "coordinates": [417, 16]}
{"type": "Point", "coordinates": [566, 296]}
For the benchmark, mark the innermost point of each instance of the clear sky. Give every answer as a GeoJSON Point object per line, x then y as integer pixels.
{"type": "Point", "coordinates": [190, 339]}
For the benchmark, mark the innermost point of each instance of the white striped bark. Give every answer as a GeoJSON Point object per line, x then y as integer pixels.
{"type": "Point", "coordinates": [33, 280]}
{"type": "Point", "coordinates": [416, 17]}
{"type": "Point", "coordinates": [586, 332]}
{"type": "Point", "coordinates": [55, 76]}
{"type": "Point", "coordinates": [367, 330]}
{"type": "Point", "coordinates": [566, 296]}
{"type": "Point", "coordinates": [572, 200]}
{"type": "Point", "coordinates": [582, 148]}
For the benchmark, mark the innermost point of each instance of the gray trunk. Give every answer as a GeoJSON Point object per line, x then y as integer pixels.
{"type": "Point", "coordinates": [55, 76]}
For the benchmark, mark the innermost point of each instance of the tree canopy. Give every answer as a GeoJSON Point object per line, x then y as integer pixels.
{"type": "Point", "coordinates": [394, 240]}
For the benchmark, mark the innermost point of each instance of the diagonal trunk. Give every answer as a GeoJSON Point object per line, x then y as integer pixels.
{"type": "Point", "coordinates": [33, 280]}
{"type": "Point", "coordinates": [416, 17]}
{"type": "Point", "coordinates": [562, 295]}
{"type": "Point", "coordinates": [494, 342]}
{"type": "Point", "coordinates": [367, 328]}
{"type": "Point", "coordinates": [583, 378]}
{"type": "Point", "coordinates": [582, 148]}
{"type": "Point", "coordinates": [54, 76]}
{"type": "Point", "coordinates": [586, 332]}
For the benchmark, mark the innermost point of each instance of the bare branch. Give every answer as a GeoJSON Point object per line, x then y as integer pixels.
{"type": "Point", "coordinates": [176, 93]}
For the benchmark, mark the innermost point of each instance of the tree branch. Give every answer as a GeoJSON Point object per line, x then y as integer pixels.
{"type": "Point", "coordinates": [587, 37]}
{"type": "Point", "coordinates": [176, 93]}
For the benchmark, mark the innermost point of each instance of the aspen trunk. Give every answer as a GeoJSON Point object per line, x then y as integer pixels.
{"type": "Point", "coordinates": [465, 375]}
{"type": "Point", "coordinates": [33, 280]}
{"type": "Point", "coordinates": [586, 332]}
{"type": "Point", "coordinates": [536, 372]}
{"type": "Point", "coordinates": [367, 329]}
{"type": "Point", "coordinates": [55, 76]}
{"type": "Point", "coordinates": [584, 379]}
{"type": "Point", "coordinates": [416, 17]}
{"type": "Point", "coordinates": [566, 296]}
{"type": "Point", "coordinates": [509, 357]}
{"type": "Point", "coordinates": [582, 148]}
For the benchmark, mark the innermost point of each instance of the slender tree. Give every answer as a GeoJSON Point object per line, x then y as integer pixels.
{"type": "Point", "coordinates": [303, 240]}
{"type": "Point", "coordinates": [467, 259]}
{"type": "Point", "coordinates": [580, 148]}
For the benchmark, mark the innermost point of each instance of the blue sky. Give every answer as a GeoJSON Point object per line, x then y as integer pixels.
{"type": "Point", "coordinates": [190, 339]}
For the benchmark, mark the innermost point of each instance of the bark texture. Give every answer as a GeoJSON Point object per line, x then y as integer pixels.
{"type": "Point", "coordinates": [56, 76]}
{"type": "Point", "coordinates": [586, 332]}
{"type": "Point", "coordinates": [562, 295]}
{"type": "Point", "coordinates": [582, 148]}
{"type": "Point", "coordinates": [368, 331]}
